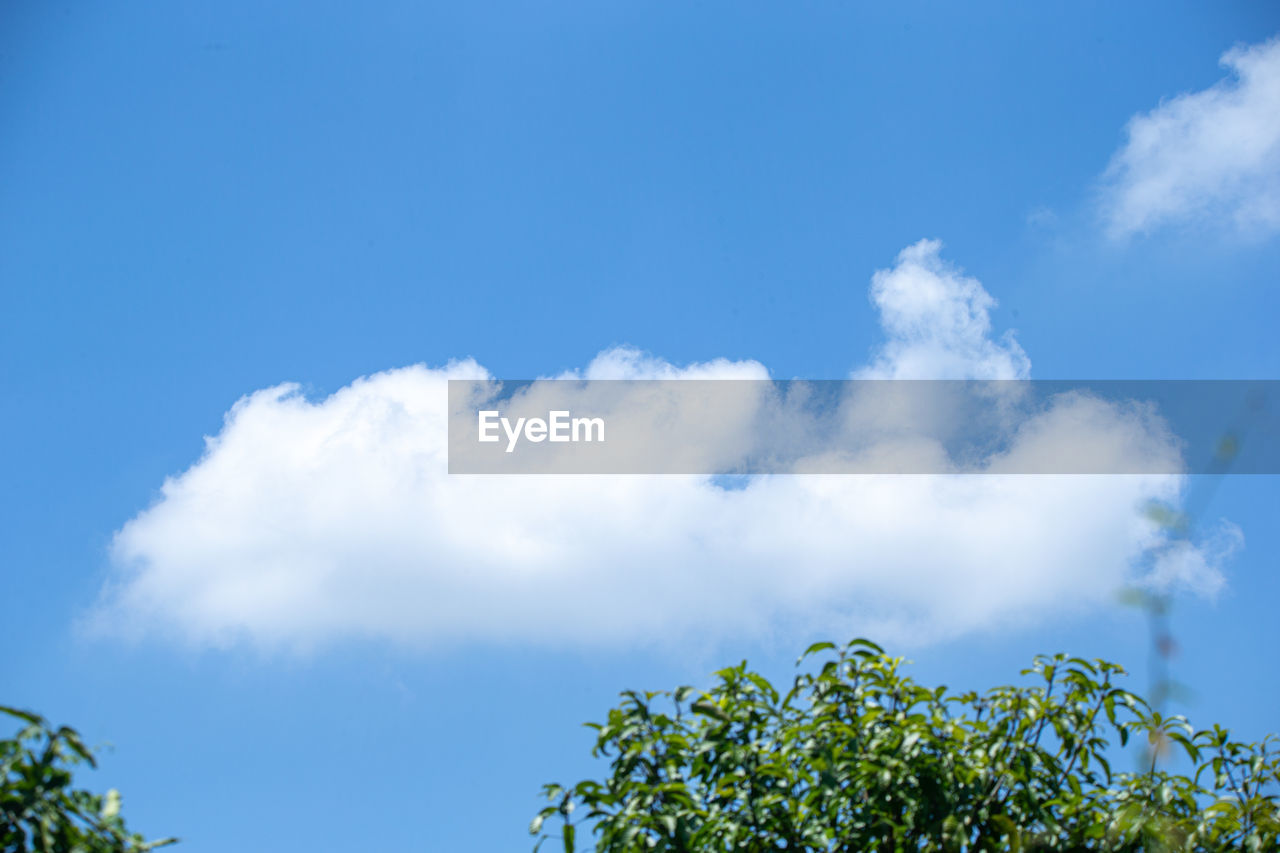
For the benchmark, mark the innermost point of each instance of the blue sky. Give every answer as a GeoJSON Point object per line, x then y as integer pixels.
{"type": "Point", "coordinates": [199, 202]}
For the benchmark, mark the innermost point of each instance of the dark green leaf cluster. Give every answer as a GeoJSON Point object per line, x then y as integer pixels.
{"type": "Point", "coordinates": [856, 756]}
{"type": "Point", "coordinates": [41, 812]}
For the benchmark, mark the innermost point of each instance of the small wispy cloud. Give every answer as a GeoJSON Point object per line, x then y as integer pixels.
{"type": "Point", "coordinates": [1180, 566]}
{"type": "Point", "coordinates": [1210, 157]}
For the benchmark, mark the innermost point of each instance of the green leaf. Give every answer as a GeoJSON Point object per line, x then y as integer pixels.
{"type": "Point", "coordinates": [34, 719]}
{"type": "Point", "coordinates": [709, 708]}
{"type": "Point", "coordinates": [815, 648]}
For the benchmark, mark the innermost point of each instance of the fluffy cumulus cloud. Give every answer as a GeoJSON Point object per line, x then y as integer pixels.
{"type": "Point", "coordinates": [1212, 155]}
{"type": "Point", "coordinates": [308, 522]}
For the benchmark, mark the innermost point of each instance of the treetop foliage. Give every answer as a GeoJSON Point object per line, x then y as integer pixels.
{"type": "Point", "coordinates": [856, 756]}
{"type": "Point", "coordinates": [39, 810]}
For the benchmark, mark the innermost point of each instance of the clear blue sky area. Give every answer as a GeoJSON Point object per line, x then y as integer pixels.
{"type": "Point", "coordinates": [201, 200]}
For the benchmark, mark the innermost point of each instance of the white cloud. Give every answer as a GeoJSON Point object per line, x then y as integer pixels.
{"type": "Point", "coordinates": [1179, 565]}
{"type": "Point", "coordinates": [938, 323]}
{"type": "Point", "coordinates": [306, 522]}
{"type": "Point", "coordinates": [1212, 155]}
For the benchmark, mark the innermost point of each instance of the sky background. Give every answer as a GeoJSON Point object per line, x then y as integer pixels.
{"type": "Point", "coordinates": [200, 201]}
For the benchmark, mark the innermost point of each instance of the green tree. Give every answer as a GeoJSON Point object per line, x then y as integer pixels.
{"type": "Point", "coordinates": [41, 812]}
{"type": "Point", "coordinates": [856, 756]}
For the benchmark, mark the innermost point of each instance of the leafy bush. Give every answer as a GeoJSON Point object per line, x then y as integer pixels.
{"type": "Point", "coordinates": [40, 812]}
{"type": "Point", "coordinates": [857, 756]}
